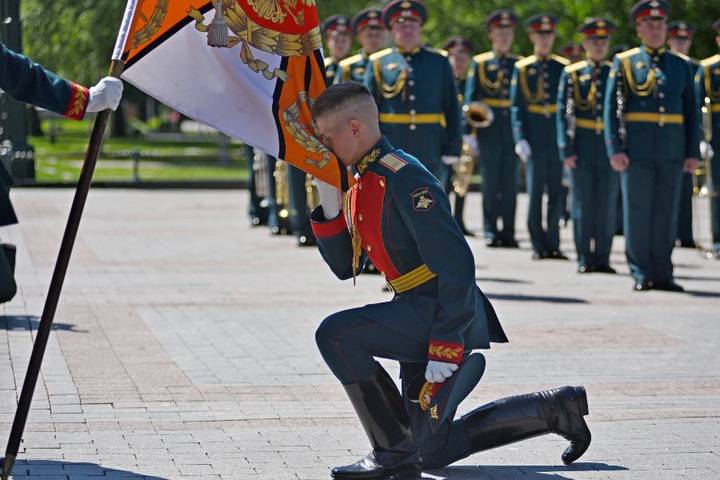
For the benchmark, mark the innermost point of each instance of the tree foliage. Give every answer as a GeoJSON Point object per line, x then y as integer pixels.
{"type": "Point", "coordinates": [76, 37]}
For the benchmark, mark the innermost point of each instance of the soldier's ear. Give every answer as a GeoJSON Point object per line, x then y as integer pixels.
{"type": "Point", "coordinates": [355, 126]}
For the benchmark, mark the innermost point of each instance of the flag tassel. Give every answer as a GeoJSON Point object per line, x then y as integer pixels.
{"type": "Point", "coordinates": [218, 32]}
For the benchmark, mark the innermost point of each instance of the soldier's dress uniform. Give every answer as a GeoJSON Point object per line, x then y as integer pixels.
{"type": "Point", "coordinates": [416, 96]}
{"type": "Point", "coordinates": [398, 216]}
{"type": "Point", "coordinates": [682, 29]}
{"type": "Point", "coordinates": [489, 82]}
{"type": "Point", "coordinates": [353, 68]}
{"type": "Point", "coordinates": [29, 82]}
{"type": "Point", "coordinates": [334, 24]}
{"type": "Point", "coordinates": [580, 131]}
{"type": "Point", "coordinates": [707, 85]}
{"type": "Point", "coordinates": [659, 117]}
{"type": "Point", "coordinates": [533, 96]}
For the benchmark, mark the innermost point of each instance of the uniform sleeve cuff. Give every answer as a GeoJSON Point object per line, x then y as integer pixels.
{"type": "Point", "coordinates": [445, 352]}
{"type": "Point", "coordinates": [79, 97]}
{"type": "Point", "coordinates": [327, 228]}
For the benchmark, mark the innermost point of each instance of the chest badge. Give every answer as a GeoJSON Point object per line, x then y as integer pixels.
{"type": "Point", "coordinates": [639, 65]}
{"type": "Point", "coordinates": [391, 66]}
{"type": "Point", "coordinates": [422, 199]}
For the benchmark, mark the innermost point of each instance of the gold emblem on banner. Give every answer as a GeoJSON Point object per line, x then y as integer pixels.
{"type": "Point", "coordinates": [300, 133]}
{"type": "Point", "coordinates": [152, 25]}
{"type": "Point", "coordinates": [247, 33]}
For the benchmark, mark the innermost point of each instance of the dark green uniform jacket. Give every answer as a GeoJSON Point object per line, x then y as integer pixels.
{"type": "Point", "coordinates": [352, 68]}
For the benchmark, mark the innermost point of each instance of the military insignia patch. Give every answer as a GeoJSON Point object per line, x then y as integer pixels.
{"type": "Point", "coordinates": [422, 199]}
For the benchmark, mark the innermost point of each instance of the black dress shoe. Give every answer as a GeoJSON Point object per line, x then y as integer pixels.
{"type": "Point", "coordinates": [256, 221]}
{"type": "Point", "coordinates": [306, 241]}
{"type": "Point", "coordinates": [510, 244]}
{"type": "Point", "coordinates": [668, 286]}
{"type": "Point", "coordinates": [492, 242]}
{"type": "Point", "coordinates": [604, 269]}
{"type": "Point", "coordinates": [643, 286]}
{"type": "Point", "coordinates": [688, 244]}
{"type": "Point", "coordinates": [540, 255]}
{"type": "Point", "coordinates": [557, 255]}
{"type": "Point", "coordinates": [582, 268]}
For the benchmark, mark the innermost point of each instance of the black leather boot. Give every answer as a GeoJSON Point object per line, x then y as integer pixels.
{"type": "Point", "coordinates": [512, 419]}
{"type": "Point", "coordinates": [380, 408]}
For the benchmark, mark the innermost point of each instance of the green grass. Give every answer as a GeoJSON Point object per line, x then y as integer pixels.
{"type": "Point", "coordinates": [61, 161]}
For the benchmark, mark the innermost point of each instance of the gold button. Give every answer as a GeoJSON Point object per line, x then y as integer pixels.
{"type": "Point", "coordinates": [360, 217]}
{"type": "Point", "coordinates": [412, 97]}
{"type": "Point", "coordinates": [368, 248]}
{"type": "Point", "coordinates": [411, 82]}
{"type": "Point", "coordinates": [382, 183]}
{"type": "Point", "coordinates": [413, 127]}
{"type": "Point", "coordinates": [662, 109]}
{"type": "Point", "coordinates": [412, 112]}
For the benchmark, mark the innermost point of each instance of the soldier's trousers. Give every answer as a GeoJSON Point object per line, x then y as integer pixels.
{"type": "Point", "coordinates": [348, 342]}
{"type": "Point", "coordinates": [651, 193]}
{"type": "Point", "coordinates": [544, 173]}
{"type": "Point", "coordinates": [298, 207]}
{"type": "Point", "coordinates": [255, 209]}
{"type": "Point", "coordinates": [499, 169]}
{"type": "Point", "coordinates": [685, 218]}
{"type": "Point", "coordinates": [594, 207]}
{"type": "Point", "coordinates": [715, 200]}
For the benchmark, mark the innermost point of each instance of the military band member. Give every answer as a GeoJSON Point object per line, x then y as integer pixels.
{"type": "Point", "coordinates": [415, 92]}
{"type": "Point", "coordinates": [582, 146]}
{"type": "Point", "coordinates": [369, 29]}
{"type": "Point", "coordinates": [459, 51]}
{"type": "Point", "coordinates": [489, 83]}
{"type": "Point", "coordinates": [399, 216]}
{"type": "Point", "coordinates": [707, 86]}
{"type": "Point", "coordinates": [534, 102]}
{"type": "Point", "coordinates": [26, 81]}
{"type": "Point", "coordinates": [338, 36]}
{"type": "Point", "coordinates": [652, 136]}
{"type": "Point", "coordinates": [680, 38]}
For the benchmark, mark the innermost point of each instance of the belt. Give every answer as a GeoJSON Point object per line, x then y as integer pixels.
{"type": "Point", "coordinates": [408, 118]}
{"type": "Point", "coordinates": [497, 102]}
{"type": "Point", "coordinates": [589, 124]}
{"type": "Point", "coordinates": [659, 118]}
{"type": "Point", "coordinates": [715, 107]}
{"type": "Point", "coordinates": [542, 109]}
{"type": "Point", "coordinates": [412, 279]}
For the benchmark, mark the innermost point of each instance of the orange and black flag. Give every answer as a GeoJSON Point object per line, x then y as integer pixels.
{"type": "Point", "coordinates": [249, 68]}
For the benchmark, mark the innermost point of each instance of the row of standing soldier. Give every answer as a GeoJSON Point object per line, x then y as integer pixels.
{"type": "Point", "coordinates": [593, 116]}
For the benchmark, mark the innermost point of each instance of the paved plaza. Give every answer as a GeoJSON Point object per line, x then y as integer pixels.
{"type": "Point", "coordinates": [184, 347]}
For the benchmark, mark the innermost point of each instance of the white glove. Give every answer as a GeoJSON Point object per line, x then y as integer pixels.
{"type": "Point", "coordinates": [106, 94]}
{"type": "Point", "coordinates": [330, 199]}
{"type": "Point", "coordinates": [706, 150]}
{"type": "Point", "coordinates": [471, 141]}
{"type": "Point", "coordinates": [437, 372]}
{"type": "Point", "coordinates": [450, 159]}
{"type": "Point", "coordinates": [522, 148]}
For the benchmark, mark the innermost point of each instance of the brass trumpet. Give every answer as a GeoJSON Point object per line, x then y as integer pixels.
{"type": "Point", "coordinates": [703, 188]}
{"type": "Point", "coordinates": [477, 115]}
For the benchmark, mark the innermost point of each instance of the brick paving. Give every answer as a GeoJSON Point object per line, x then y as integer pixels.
{"type": "Point", "coordinates": [184, 348]}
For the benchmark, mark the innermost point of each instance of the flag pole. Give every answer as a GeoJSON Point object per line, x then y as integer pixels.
{"type": "Point", "coordinates": [63, 259]}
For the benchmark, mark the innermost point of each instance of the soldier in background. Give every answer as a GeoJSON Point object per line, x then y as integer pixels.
{"type": "Point", "coordinates": [459, 50]}
{"type": "Point", "coordinates": [370, 31]}
{"type": "Point", "coordinates": [573, 51]}
{"type": "Point", "coordinates": [707, 86]}
{"type": "Point", "coordinates": [338, 37]}
{"type": "Point", "coordinates": [414, 89]}
{"type": "Point", "coordinates": [680, 38]}
{"type": "Point", "coordinates": [652, 136]}
{"type": "Point", "coordinates": [534, 103]}
{"type": "Point", "coordinates": [582, 146]}
{"type": "Point", "coordinates": [489, 83]}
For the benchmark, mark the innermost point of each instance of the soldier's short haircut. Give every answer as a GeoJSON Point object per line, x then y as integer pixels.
{"type": "Point", "coordinates": [338, 96]}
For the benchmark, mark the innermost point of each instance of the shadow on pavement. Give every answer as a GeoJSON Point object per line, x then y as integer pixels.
{"type": "Point", "coordinates": [699, 279]}
{"type": "Point", "coordinates": [513, 297]}
{"type": "Point", "coordinates": [527, 472]}
{"type": "Point", "coordinates": [702, 294]}
{"type": "Point", "coordinates": [56, 469]}
{"type": "Point", "coordinates": [30, 322]}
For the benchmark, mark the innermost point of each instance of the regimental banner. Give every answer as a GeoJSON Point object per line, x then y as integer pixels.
{"type": "Point", "coordinates": [249, 68]}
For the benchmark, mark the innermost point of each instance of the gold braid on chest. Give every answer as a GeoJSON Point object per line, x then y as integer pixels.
{"type": "Point", "coordinates": [389, 91]}
{"type": "Point", "coordinates": [488, 85]}
{"type": "Point", "coordinates": [538, 96]}
{"type": "Point", "coordinates": [648, 87]}
{"type": "Point", "coordinates": [588, 102]}
{"type": "Point", "coordinates": [713, 95]}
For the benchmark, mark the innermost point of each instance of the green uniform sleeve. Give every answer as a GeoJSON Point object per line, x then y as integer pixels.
{"type": "Point", "coordinates": [566, 144]}
{"type": "Point", "coordinates": [691, 112]}
{"type": "Point", "coordinates": [518, 110]}
{"type": "Point", "coordinates": [453, 116]}
{"type": "Point", "coordinates": [613, 142]}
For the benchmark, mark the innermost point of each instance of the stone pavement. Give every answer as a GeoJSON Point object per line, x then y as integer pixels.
{"type": "Point", "coordinates": [184, 347]}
